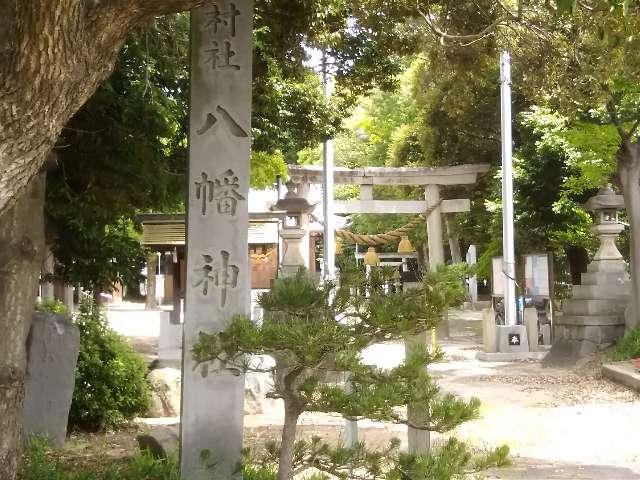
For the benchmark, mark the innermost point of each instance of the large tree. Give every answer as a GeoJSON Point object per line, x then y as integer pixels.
{"type": "Point", "coordinates": [53, 56]}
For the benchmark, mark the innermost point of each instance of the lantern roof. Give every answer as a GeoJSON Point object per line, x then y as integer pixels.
{"type": "Point", "coordinates": [606, 199]}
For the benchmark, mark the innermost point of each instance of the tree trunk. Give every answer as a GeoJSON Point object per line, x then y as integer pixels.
{"type": "Point", "coordinates": [629, 172]}
{"type": "Point", "coordinates": [53, 56]}
{"type": "Point", "coordinates": [21, 253]}
{"type": "Point", "coordinates": [285, 464]}
{"type": "Point", "coordinates": [152, 267]}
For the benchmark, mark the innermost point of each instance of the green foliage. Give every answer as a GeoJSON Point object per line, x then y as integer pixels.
{"type": "Point", "coordinates": [111, 385]}
{"type": "Point", "coordinates": [453, 459]}
{"type": "Point", "coordinates": [265, 167]}
{"type": "Point", "coordinates": [39, 462]}
{"type": "Point", "coordinates": [317, 331]}
{"type": "Point", "coordinates": [447, 461]}
{"type": "Point", "coordinates": [52, 306]}
{"type": "Point", "coordinates": [628, 347]}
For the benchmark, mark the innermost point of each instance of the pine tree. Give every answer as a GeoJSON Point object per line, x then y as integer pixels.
{"type": "Point", "coordinates": [315, 333]}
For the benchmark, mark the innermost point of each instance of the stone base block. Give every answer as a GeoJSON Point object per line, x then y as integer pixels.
{"type": "Point", "coordinates": [623, 372]}
{"type": "Point", "coordinates": [510, 357]}
{"type": "Point", "coordinates": [594, 307]}
{"type": "Point", "coordinates": [489, 331]}
{"type": "Point", "coordinates": [512, 339]}
{"type": "Point", "coordinates": [601, 336]}
{"type": "Point", "coordinates": [170, 340]}
{"type": "Point", "coordinates": [609, 291]}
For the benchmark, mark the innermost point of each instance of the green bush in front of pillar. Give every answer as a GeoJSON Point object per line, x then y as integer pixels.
{"type": "Point", "coordinates": [111, 385]}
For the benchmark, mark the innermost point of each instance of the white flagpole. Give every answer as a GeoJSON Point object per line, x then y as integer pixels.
{"type": "Point", "coordinates": [508, 250]}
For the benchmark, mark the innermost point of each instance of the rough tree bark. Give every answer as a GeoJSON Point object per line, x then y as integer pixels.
{"type": "Point", "coordinates": [21, 253]}
{"type": "Point", "coordinates": [285, 461]}
{"type": "Point", "coordinates": [53, 56]}
{"type": "Point", "coordinates": [454, 241]}
{"type": "Point", "coordinates": [629, 173]}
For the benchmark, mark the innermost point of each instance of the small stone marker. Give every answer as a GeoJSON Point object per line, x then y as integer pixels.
{"type": "Point", "coordinates": [512, 339]}
{"type": "Point", "coordinates": [52, 353]}
{"type": "Point", "coordinates": [218, 273]}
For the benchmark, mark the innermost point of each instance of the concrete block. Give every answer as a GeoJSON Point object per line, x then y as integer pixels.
{"type": "Point", "coordinates": [170, 340]}
{"type": "Point", "coordinates": [546, 334]}
{"type": "Point", "coordinates": [623, 372]}
{"type": "Point", "coordinates": [591, 320]}
{"type": "Point", "coordinates": [608, 266]}
{"type": "Point", "coordinates": [531, 324]}
{"type": "Point", "coordinates": [605, 292]}
{"type": "Point", "coordinates": [489, 331]}
{"type": "Point", "coordinates": [52, 352]}
{"type": "Point", "coordinates": [512, 339]}
{"type": "Point", "coordinates": [594, 307]}
{"type": "Point", "coordinates": [605, 278]}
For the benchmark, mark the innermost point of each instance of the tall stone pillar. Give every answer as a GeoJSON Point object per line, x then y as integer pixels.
{"type": "Point", "coordinates": [434, 227]}
{"type": "Point", "coordinates": [218, 272]}
{"type": "Point", "coordinates": [472, 258]}
{"type": "Point", "coordinates": [303, 192]}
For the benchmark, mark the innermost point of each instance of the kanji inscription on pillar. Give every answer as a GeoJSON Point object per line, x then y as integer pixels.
{"type": "Point", "coordinates": [218, 273]}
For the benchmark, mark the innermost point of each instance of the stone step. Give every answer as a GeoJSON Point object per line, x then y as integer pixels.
{"type": "Point", "coordinates": [601, 292]}
{"type": "Point", "coordinates": [590, 320]}
{"type": "Point", "coordinates": [608, 278]}
{"type": "Point", "coordinates": [594, 307]}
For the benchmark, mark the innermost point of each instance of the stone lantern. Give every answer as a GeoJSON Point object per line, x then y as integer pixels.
{"type": "Point", "coordinates": [595, 315]}
{"type": "Point", "coordinates": [292, 230]}
{"type": "Point", "coordinates": [606, 206]}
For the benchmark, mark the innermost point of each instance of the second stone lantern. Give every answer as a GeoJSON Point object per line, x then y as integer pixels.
{"type": "Point", "coordinates": [595, 315]}
{"type": "Point", "coordinates": [292, 229]}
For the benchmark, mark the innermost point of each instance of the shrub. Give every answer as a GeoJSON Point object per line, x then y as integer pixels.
{"type": "Point", "coordinates": [53, 306]}
{"type": "Point", "coordinates": [39, 463]}
{"type": "Point", "coordinates": [628, 347]}
{"type": "Point", "coordinates": [111, 385]}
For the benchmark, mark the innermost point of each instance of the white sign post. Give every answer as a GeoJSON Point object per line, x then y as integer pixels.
{"type": "Point", "coordinates": [218, 273]}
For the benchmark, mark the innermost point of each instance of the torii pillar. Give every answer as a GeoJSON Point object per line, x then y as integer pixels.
{"type": "Point", "coordinates": [434, 226]}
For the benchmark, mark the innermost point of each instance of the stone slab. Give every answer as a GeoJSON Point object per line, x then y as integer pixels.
{"type": "Point", "coordinates": [607, 266]}
{"type": "Point", "coordinates": [510, 357]}
{"type": "Point", "coordinates": [593, 307]}
{"type": "Point", "coordinates": [170, 340]}
{"type": "Point", "coordinates": [605, 278]}
{"type": "Point", "coordinates": [489, 331]}
{"type": "Point", "coordinates": [591, 320]}
{"type": "Point", "coordinates": [623, 372]}
{"type": "Point", "coordinates": [52, 351]}
{"type": "Point", "coordinates": [531, 323]}
{"type": "Point", "coordinates": [605, 292]}
{"type": "Point", "coordinates": [508, 335]}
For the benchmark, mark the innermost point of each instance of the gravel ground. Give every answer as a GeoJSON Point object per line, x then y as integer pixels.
{"type": "Point", "coordinates": [559, 423]}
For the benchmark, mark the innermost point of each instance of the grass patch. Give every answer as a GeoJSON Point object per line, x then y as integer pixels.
{"type": "Point", "coordinates": [628, 347]}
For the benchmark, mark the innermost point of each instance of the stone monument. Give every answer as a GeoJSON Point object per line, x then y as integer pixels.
{"type": "Point", "coordinates": [52, 353]}
{"type": "Point", "coordinates": [594, 317]}
{"type": "Point", "coordinates": [218, 273]}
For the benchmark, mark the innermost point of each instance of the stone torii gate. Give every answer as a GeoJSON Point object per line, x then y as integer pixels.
{"type": "Point", "coordinates": [433, 206]}
{"type": "Point", "coordinates": [432, 178]}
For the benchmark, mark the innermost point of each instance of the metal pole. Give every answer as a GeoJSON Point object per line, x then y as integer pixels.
{"type": "Point", "coordinates": [509, 265]}
{"type": "Point", "coordinates": [327, 189]}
